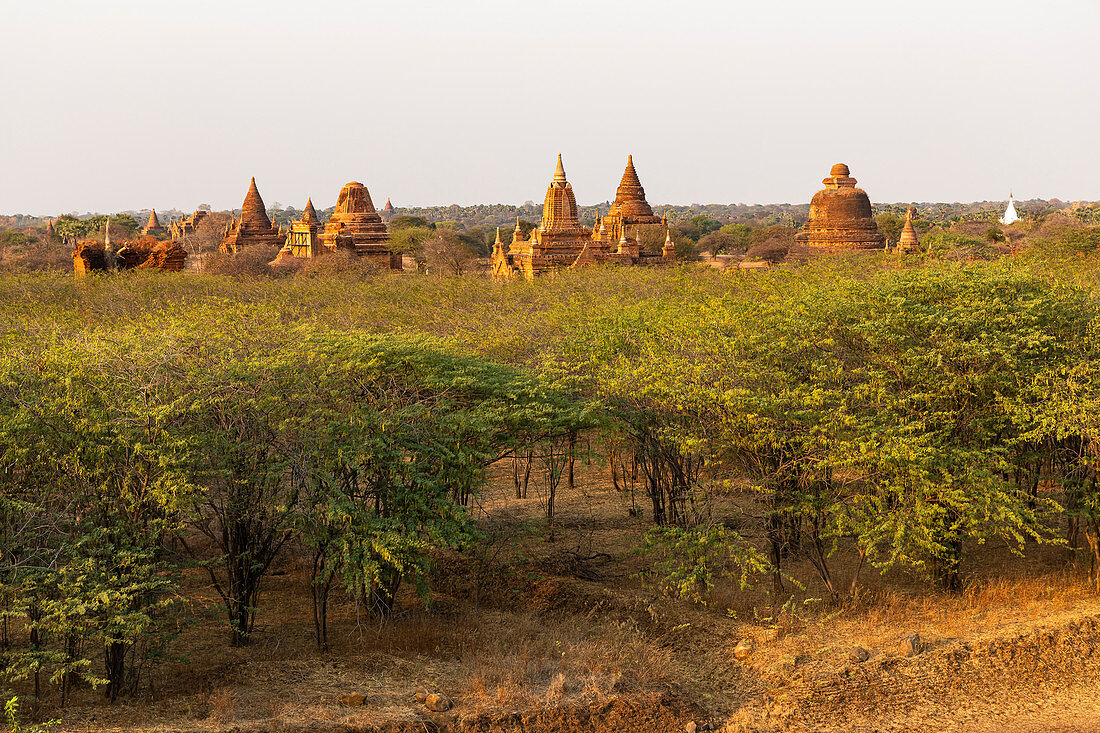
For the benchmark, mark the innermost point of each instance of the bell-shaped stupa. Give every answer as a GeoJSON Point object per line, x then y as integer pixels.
{"type": "Point", "coordinates": [840, 217]}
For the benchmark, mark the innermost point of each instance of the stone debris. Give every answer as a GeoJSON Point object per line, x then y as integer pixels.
{"type": "Point", "coordinates": [352, 700]}
{"type": "Point", "coordinates": [438, 702]}
{"type": "Point", "coordinates": [910, 646]}
{"type": "Point", "coordinates": [859, 655]}
{"type": "Point", "coordinates": [744, 649]}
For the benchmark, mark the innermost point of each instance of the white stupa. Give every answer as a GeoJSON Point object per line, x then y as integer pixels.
{"type": "Point", "coordinates": [1010, 213]}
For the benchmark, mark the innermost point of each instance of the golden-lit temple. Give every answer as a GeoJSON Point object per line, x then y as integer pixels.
{"type": "Point", "coordinates": [355, 226]}
{"type": "Point", "coordinates": [560, 240]}
{"type": "Point", "coordinates": [840, 217]}
{"type": "Point", "coordinates": [153, 225]}
{"type": "Point", "coordinates": [253, 228]}
{"type": "Point", "coordinates": [186, 227]}
{"type": "Point", "coordinates": [908, 241]}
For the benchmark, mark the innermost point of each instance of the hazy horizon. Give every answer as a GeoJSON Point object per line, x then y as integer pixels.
{"type": "Point", "coordinates": [131, 105]}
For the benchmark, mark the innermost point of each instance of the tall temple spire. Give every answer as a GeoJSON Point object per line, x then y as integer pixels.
{"type": "Point", "coordinates": [559, 173]}
{"type": "Point", "coordinates": [559, 209]}
{"type": "Point", "coordinates": [517, 233]}
{"type": "Point", "coordinates": [630, 176]}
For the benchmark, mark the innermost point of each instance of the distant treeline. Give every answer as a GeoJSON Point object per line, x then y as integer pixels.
{"type": "Point", "coordinates": [792, 215]}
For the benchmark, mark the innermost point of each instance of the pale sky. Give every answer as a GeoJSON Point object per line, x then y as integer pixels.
{"type": "Point", "coordinates": [127, 104]}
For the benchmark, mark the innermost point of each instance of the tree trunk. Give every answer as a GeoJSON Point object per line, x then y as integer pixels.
{"type": "Point", "coordinates": [114, 659]}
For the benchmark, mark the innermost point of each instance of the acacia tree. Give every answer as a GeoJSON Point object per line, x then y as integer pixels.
{"type": "Point", "coordinates": [83, 436]}
{"type": "Point", "coordinates": [244, 422]}
{"type": "Point", "coordinates": [403, 434]}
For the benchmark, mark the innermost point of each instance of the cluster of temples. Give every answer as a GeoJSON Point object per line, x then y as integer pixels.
{"type": "Point", "coordinates": [354, 227]}
{"type": "Point", "coordinates": [186, 227]}
{"type": "Point", "coordinates": [840, 219]}
{"type": "Point", "coordinates": [560, 240]}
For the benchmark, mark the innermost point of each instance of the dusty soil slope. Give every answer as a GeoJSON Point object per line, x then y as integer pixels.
{"type": "Point", "coordinates": [526, 634]}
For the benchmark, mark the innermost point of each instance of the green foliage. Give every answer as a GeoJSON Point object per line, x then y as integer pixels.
{"type": "Point", "coordinates": [409, 239]}
{"type": "Point", "coordinates": [399, 223]}
{"type": "Point", "coordinates": [82, 428]}
{"type": "Point", "coordinates": [890, 224]}
{"type": "Point", "coordinates": [13, 238]}
{"type": "Point", "coordinates": [696, 227]}
{"type": "Point", "coordinates": [688, 561]}
{"type": "Point", "coordinates": [11, 719]}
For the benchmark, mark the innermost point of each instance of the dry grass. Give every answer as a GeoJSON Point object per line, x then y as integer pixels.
{"type": "Point", "coordinates": [520, 627]}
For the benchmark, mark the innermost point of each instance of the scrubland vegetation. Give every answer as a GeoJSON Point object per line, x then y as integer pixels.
{"type": "Point", "coordinates": [579, 493]}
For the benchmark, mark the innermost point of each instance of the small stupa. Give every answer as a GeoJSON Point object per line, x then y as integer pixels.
{"type": "Point", "coordinates": [1010, 212]}
{"type": "Point", "coordinates": [668, 251]}
{"type": "Point", "coordinates": [304, 238]}
{"type": "Point", "coordinates": [153, 225]}
{"type": "Point", "coordinates": [388, 211]}
{"type": "Point", "coordinates": [908, 241]}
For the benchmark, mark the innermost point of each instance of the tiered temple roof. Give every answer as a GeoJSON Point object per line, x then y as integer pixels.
{"type": "Point", "coordinates": [357, 227]}
{"type": "Point", "coordinates": [630, 208]}
{"type": "Point", "coordinates": [840, 217]}
{"type": "Point", "coordinates": [253, 228]}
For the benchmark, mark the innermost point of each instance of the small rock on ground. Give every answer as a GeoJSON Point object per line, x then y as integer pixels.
{"type": "Point", "coordinates": [744, 649]}
{"type": "Point", "coordinates": [859, 655]}
{"type": "Point", "coordinates": [352, 700]}
{"type": "Point", "coordinates": [910, 646]}
{"type": "Point", "coordinates": [438, 703]}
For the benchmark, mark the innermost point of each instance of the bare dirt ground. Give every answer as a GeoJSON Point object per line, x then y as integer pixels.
{"type": "Point", "coordinates": [526, 634]}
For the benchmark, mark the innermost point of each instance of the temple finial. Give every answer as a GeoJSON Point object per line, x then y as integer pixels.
{"type": "Point", "coordinates": [559, 173]}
